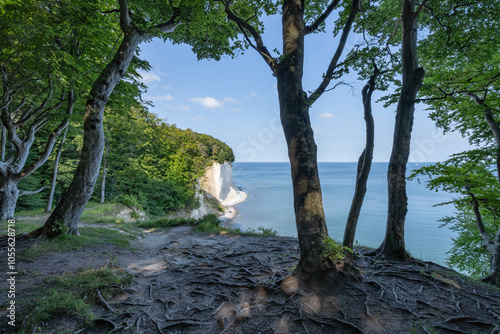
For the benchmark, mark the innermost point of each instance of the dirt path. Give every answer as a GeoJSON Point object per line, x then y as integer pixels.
{"type": "Point", "coordinates": [187, 282]}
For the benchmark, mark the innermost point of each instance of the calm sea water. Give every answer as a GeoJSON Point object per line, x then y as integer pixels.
{"type": "Point", "coordinates": [270, 204]}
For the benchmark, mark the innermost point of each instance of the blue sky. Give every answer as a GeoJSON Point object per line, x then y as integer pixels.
{"type": "Point", "coordinates": [236, 101]}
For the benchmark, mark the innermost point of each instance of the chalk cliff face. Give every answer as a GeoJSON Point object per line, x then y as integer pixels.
{"type": "Point", "coordinates": [218, 183]}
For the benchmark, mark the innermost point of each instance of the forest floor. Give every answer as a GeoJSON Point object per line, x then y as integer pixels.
{"type": "Point", "coordinates": [190, 282]}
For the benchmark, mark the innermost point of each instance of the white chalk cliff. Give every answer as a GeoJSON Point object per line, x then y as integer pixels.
{"type": "Point", "coordinates": [217, 182]}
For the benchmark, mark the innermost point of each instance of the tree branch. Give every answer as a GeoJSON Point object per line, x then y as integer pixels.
{"type": "Point", "coordinates": [340, 48]}
{"type": "Point", "coordinates": [124, 15]}
{"type": "Point", "coordinates": [488, 242]}
{"type": "Point", "coordinates": [51, 140]}
{"type": "Point", "coordinates": [313, 27]}
{"type": "Point", "coordinates": [259, 44]}
{"type": "Point", "coordinates": [25, 193]}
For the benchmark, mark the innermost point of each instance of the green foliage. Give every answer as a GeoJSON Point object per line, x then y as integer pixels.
{"type": "Point", "coordinates": [468, 254]}
{"type": "Point", "coordinates": [460, 56]}
{"type": "Point", "coordinates": [153, 165]}
{"type": "Point", "coordinates": [333, 250]}
{"type": "Point", "coordinates": [468, 175]}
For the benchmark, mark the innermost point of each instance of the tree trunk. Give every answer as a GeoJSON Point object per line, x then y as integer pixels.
{"type": "Point", "coordinates": [104, 171]}
{"type": "Point", "coordinates": [54, 173]}
{"type": "Point", "coordinates": [302, 151]}
{"type": "Point", "coordinates": [364, 164]}
{"type": "Point", "coordinates": [393, 246]}
{"type": "Point", "coordinates": [495, 128]}
{"type": "Point", "coordinates": [8, 196]}
{"type": "Point", "coordinates": [3, 143]}
{"type": "Point", "coordinates": [494, 276]}
{"type": "Point", "coordinates": [65, 216]}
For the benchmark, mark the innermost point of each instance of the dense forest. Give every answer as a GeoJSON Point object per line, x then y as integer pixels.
{"type": "Point", "coordinates": [146, 164]}
{"type": "Point", "coordinates": [75, 127]}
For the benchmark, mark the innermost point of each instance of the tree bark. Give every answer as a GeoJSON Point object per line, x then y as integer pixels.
{"type": "Point", "coordinates": [8, 197]}
{"type": "Point", "coordinates": [393, 246]}
{"type": "Point", "coordinates": [54, 173]}
{"type": "Point", "coordinates": [104, 171]}
{"type": "Point", "coordinates": [302, 151]}
{"type": "Point", "coordinates": [3, 143]}
{"type": "Point", "coordinates": [364, 164]}
{"type": "Point", "coordinates": [494, 276]}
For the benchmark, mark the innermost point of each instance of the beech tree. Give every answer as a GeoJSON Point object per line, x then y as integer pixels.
{"type": "Point", "coordinates": [202, 27]}
{"type": "Point", "coordinates": [299, 18]}
{"type": "Point", "coordinates": [462, 92]}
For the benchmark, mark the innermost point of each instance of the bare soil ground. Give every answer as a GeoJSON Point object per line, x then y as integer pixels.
{"type": "Point", "coordinates": [187, 282]}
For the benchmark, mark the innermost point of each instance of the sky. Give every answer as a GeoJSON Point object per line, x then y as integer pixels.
{"type": "Point", "coordinates": [236, 101]}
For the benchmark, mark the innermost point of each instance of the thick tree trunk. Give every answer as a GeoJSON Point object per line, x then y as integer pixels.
{"type": "Point", "coordinates": [393, 245]}
{"type": "Point", "coordinates": [54, 173]}
{"type": "Point", "coordinates": [364, 164]}
{"type": "Point", "coordinates": [8, 196]}
{"type": "Point", "coordinates": [65, 216]}
{"type": "Point", "coordinates": [104, 171]}
{"type": "Point", "coordinates": [294, 112]}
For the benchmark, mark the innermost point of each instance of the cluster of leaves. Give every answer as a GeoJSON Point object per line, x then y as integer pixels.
{"type": "Point", "coordinates": [333, 251]}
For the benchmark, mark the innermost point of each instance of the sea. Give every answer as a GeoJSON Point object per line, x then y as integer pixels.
{"type": "Point", "coordinates": [270, 205]}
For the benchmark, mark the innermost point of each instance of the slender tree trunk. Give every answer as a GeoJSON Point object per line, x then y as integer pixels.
{"type": "Point", "coordinates": [4, 142]}
{"type": "Point", "coordinates": [393, 245]}
{"type": "Point", "coordinates": [364, 164]}
{"type": "Point", "coordinates": [495, 128]}
{"type": "Point", "coordinates": [491, 245]}
{"type": "Point", "coordinates": [302, 150]}
{"type": "Point", "coordinates": [8, 196]}
{"type": "Point", "coordinates": [494, 276]}
{"type": "Point", "coordinates": [104, 171]}
{"type": "Point", "coordinates": [54, 173]}
{"type": "Point", "coordinates": [71, 206]}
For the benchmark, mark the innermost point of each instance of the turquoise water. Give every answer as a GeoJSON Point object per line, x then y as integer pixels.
{"type": "Point", "coordinates": [270, 204]}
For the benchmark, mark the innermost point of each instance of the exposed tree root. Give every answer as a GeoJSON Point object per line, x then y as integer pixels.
{"type": "Point", "coordinates": [224, 284]}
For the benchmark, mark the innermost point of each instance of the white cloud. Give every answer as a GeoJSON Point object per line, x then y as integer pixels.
{"type": "Point", "coordinates": [197, 118]}
{"type": "Point", "coordinates": [207, 102]}
{"type": "Point", "coordinates": [148, 77]}
{"type": "Point", "coordinates": [166, 97]}
{"type": "Point", "coordinates": [230, 100]}
{"type": "Point", "coordinates": [179, 106]}
{"type": "Point", "coordinates": [212, 103]}
{"type": "Point", "coordinates": [327, 115]}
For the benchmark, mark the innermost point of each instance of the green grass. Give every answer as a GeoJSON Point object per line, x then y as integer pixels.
{"type": "Point", "coordinates": [101, 213]}
{"type": "Point", "coordinates": [89, 236]}
{"type": "Point", "coordinates": [73, 294]}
